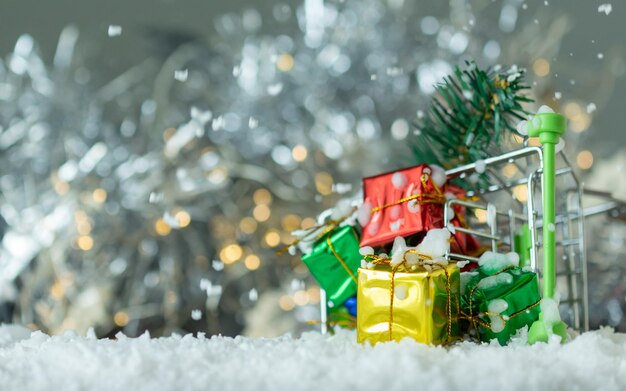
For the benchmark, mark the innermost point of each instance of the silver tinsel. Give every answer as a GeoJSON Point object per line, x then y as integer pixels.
{"type": "Point", "coordinates": [157, 200]}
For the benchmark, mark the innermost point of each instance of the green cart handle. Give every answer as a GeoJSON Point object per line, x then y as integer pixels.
{"type": "Point", "coordinates": [549, 127]}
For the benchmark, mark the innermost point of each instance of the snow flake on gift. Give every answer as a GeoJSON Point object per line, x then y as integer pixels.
{"type": "Point", "coordinates": [367, 250]}
{"type": "Point", "coordinates": [364, 213]}
{"type": "Point", "coordinates": [495, 309]}
{"type": "Point", "coordinates": [435, 245]}
{"type": "Point", "coordinates": [438, 175]}
{"type": "Point", "coordinates": [395, 225]}
{"type": "Point", "coordinates": [414, 206]}
{"type": "Point", "coordinates": [400, 292]}
{"type": "Point", "coordinates": [399, 180]}
{"type": "Point", "coordinates": [373, 227]}
{"type": "Point", "coordinates": [395, 212]}
{"type": "Point", "coordinates": [493, 262]}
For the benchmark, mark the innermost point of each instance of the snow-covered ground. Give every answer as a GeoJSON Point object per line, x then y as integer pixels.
{"type": "Point", "coordinates": [594, 360]}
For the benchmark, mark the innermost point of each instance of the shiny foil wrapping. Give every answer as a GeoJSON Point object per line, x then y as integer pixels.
{"type": "Point", "coordinates": [425, 305]}
{"type": "Point", "coordinates": [522, 296]}
{"type": "Point", "coordinates": [402, 219]}
{"type": "Point", "coordinates": [334, 265]}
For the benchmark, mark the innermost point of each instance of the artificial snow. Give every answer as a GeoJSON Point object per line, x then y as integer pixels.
{"type": "Point", "coordinates": [544, 109]}
{"type": "Point", "coordinates": [492, 262]}
{"type": "Point", "coordinates": [363, 213]}
{"type": "Point", "coordinates": [495, 280]}
{"type": "Point", "coordinates": [480, 166]}
{"type": "Point", "coordinates": [367, 250]}
{"type": "Point", "coordinates": [436, 243]}
{"type": "Point", "coordinates": [37, 361]}
{"type": "Point", "coordinates": [522, 127]}
{"type": "Point", "coordinates": [438, 175]}
{"type": "Point", "coordinates": [495, 308]}
{"type": "Point", "coordinates": [605, 8]}
{"type": "Point", "coordinates": [114, 30]}
{"type": "Point", "coordinates": [591, 107]}
{"type": "Point", "coordinates": [181, 74]}
{"type": "Point", "coordinates": [399, 180]}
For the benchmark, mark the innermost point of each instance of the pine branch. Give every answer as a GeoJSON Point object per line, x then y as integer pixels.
{"type": "Point", "coordinates": [471, 110]}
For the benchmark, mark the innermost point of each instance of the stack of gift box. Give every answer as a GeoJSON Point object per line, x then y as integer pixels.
{"type": "Point", "coordinates": [383, 264]}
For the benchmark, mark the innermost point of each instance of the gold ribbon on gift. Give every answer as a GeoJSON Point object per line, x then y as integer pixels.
{"type": "Point", "coordinates": [475, 319]}
{"type": "Point", "coordinates": [423, 260]}
{"type": "Point", "coordinates": [339, 259]}
{"type": "Point", "coordinates": [436, 197]}
{"type": "Point", "coordinates": [326, 227]}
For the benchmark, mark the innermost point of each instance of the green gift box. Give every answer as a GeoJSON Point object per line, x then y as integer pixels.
{"type": "Point", "coordinates": [334, 262]}
{"type": "Point", "coordinates": [499, 304]}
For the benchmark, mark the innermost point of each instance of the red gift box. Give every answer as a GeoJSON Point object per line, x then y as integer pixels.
{"type": "Point", "coordinates": [400, 203]}
{"type": "Point", "coordinates": [407, 202]}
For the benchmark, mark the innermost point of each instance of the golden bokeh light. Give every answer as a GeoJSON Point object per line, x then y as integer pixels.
{"type": "Point", "coordinates": [162, 228]}
{"type": "Point", "coordinates": [571, 109]}
{"type": "Point", "coordinates": [481, 215]}
{"type": "Point", "coordinates": [286, 303]}
{"type": "Point", "coordinates": [83, 227]}
{"type": "Point", "coordinates": [314, 294]}
{"type": "Point", "coordinates": [307, 223]}
{"type": "Point", "coordinates": [120, 318]}
{"type": "Point", "coordinates": [580, 122]}
{"type": "Point", "coordinates": [541, 67]}
{"type": "Point", "coordinates": [301, 298]}
{"type": "Point", "coordinates": [261, 213]}
{"type": "Point", "coordinates": [521, 193]}
{"type": "Point", "coordinates": [272, 238]}
{"type": "Point", "coordinates": [231, 253]}
{"type": "Point", "coordinates": [57, 291]}
{"type": "Point", "coordinates": [182, 218]}
{"type": "Point", "coordinates": [61, 187]}
{"type": "Point", "coordinates": [584, 160]}
{"type": "Point", "coordinates": [286, 238]}
{"type": "Point", "coordinates": [324, 183]}
{"type": "Point", "coordinates": [262, 197]}
{"type": "Point", "coordinates": [285, 62]}
{"type": "Point", "coordinates": [299, 153]}
{"type": "Point", "coordinates": [252, 262]}
{"type": "Point", "coordinates": [99, 195]}
{"type": "Point", "coordinates": [291, 222]}
{"type": "Point", "coordinates": [85, 242]}
{"type": "Point", "coordinates": [247, 225]}
{"type": "Point", "coordinates": [509, 170]}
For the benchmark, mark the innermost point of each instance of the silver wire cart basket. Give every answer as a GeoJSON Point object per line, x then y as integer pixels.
{"type": "Point", "coordinates": [504, 210]}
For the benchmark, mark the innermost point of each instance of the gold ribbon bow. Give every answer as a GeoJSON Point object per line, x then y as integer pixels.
{"type": "Point", "coordinates": [436, 197]}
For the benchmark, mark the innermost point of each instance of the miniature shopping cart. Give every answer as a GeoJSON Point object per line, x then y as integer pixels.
{"type": "Point", "coordinates": [530, 201]}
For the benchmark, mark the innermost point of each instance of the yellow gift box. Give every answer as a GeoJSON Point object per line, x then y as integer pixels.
{"type": "Point", "coordinates": [420, 302]}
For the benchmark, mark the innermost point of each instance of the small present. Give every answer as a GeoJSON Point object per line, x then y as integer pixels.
{"type": "Point", "coordinates": [400, 203]}
{"type": "Point", "coordinates": [334, 261]}
{"type": "Point", "coordinates": [410, 294]}
{"type": "Point", "coordinates": [500, 298]}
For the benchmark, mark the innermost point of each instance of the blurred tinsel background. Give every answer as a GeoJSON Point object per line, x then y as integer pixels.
{"type": "Point", "coordinates": [153, 155]}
